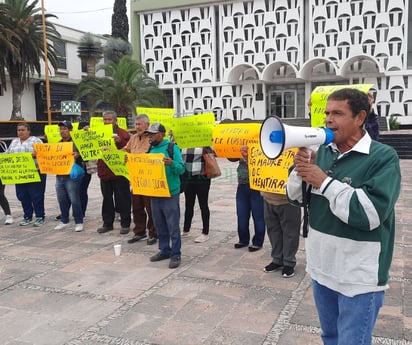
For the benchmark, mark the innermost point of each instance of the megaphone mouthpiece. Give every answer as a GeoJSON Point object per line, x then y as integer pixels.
{"type": "Point", "coordinates": [275, 137]}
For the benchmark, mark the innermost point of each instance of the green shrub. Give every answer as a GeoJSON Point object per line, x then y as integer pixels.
{"type": "Point", "coordinates": [393, 123]}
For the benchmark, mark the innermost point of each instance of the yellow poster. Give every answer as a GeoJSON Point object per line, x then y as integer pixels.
{"type": "Point", "coordinates": [194, 131]}
{"type": "Point", "coordinates": [161, 115]}
{"type": "Point", "coordinates": [228, 138]}
{"type": "Point", "coordinates": [52, 132]}
{"type": "Point", "coordinates": [90, 142]}
{"type": "Point", "coordinates": [147, 174]}
{"type": "Point", "coordinates": [319, 99]}
{"type": "Point", "coordinates": [16, 168]}
{"type": "Point", "coordinates": [115, 160]}
{"type": "Point", "coordinates": [97, 121]}
{"type": "Point", "coordinates": [268, 175]}
{"type": "Point", "coordinates": [55, 158]}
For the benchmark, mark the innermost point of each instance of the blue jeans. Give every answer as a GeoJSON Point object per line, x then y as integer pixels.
{"type": "Point", "coordinates": [346, 320]}
{"type": "Point", "coordinates": [31, 196]}
{"type": "Point", "coordinates": [166, 217]}
{"type": "Point", "coordinates": [249, 201]}
{"type": "Point", "coordinates": [68, 193]}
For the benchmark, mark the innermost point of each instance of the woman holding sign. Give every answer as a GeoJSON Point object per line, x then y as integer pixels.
{"type": "Point", "coordinates": [31, 195]}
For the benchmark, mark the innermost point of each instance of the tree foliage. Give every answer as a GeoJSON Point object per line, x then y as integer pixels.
{"type": "Point", "coordinates": [90, 50]}
{"type": "Point", "coordinates": [22, 49]}
{"type": "Point", "coordinates": [116, 48]}
{"type": "Point", "coordinates": [120, 21]}
{"type": "Point", "coordinates": [125, 86]}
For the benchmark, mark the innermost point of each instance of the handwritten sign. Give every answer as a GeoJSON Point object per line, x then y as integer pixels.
{"type": "Point", "coordinates": [161, 115]}
{"type": "Point", "coordinates": [319, 99]}
{"type": "Point", "coordinates": [268, 175]}
{"type": "Point", "coordinates": [89, 143]}
{"type": "Point", "coordinates": [228, 138]}
{"type": "Point", "coordinates": [147, 174]}
{"type": "Point", "coordinates": [96, 121]}
{"type": "Point", "coordinates": [17, 168]}
{"type": "Point", "coordinates": [115, 160]}
{"type": "Point", "coordinates": [194, 131]}
{"type": "Point", "coordinates": [53, 132]}
{"type": "Point", "coordinates": [55, 158]}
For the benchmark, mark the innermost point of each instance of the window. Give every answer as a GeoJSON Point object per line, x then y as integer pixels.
{"type": "Point", "coordinates": [60, 49]}
{"type": "Point", "coordinates": [282, 103]}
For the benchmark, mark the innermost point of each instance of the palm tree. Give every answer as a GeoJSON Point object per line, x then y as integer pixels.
{"type": "Point", "coordinates": [26, 22]}
{"type": "Point", "coordinates": [116, 48]}
{"type": "Point", "coordinates": [90, 50]}
{"type": "Point", "coordinates": [125, 86]}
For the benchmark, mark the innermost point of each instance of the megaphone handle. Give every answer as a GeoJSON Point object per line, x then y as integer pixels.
{"type": "Point", "coordinates": [305, 202]}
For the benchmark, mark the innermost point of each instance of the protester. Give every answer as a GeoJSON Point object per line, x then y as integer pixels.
{"type": "Point", "coordinates": [31, 195]}
{"type": "Point", "coordinates": [142, 211]}
{"type": "Point", "coordinates": [166, 210]}
{"type": "Point", "coordinates": [115, 189]}
{"type": "Point", "coordinates": [196, 184]}
{"type": "Point", "coordinates": [354, 182]}
{"type": "Point", "coordinates": [248, 201]}
{"type": "Point", "coordinates": [282, 221]}
{"type": "Point", "coordinates": [68, 189]}
{"type": "Point", "coordinates": [372, 120]}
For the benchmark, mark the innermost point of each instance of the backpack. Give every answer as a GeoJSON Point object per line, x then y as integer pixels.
{"type": "Point", "coordinates": [170, 153]}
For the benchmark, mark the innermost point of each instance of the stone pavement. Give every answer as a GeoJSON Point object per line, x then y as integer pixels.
{"type": "Point", "coordinates": [62, 287]}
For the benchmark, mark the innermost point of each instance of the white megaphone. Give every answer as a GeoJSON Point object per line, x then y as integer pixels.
{"type": "Point", "coordinates": [275, 137]}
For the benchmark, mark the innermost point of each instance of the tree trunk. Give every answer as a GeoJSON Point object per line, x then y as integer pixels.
{"type": "Point", "coordinates": [17, 92]}
{"type": "Point", "coordinates": [91, 68]}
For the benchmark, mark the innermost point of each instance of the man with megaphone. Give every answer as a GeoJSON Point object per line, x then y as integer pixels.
{"type": "Point", "coordinates": [354, 183]}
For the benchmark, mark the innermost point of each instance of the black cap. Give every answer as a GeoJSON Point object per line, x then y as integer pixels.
{"type": "Point", "coordinates": [66, 123]}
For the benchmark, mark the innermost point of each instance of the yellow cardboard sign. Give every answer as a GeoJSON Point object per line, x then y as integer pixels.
{"type": "Point", "coordinates": [228, 138]}
{"type": "Point", "coordinates": [16, 168]}
{"type": "Point", "coordinates": [96, 121]}
{"type": "Point", "coordinates": [53, 132]}
{"type": "Point", "coordinates": [268, 175]}
{"type": "Point", "coordinates": [115, 160]}
{"type": "Point", "coordinates": [148, 174]}
{"type": "Point", "coordinates": [161, 115]}
{"type": "Point", "coordinates": [194, 131]}
{"type": "Point", "coordinates": [55, 158]}
{"type": "Point", "coordinates": [319, 99]}
{"type": "Point", "coordinates": [90, 142]}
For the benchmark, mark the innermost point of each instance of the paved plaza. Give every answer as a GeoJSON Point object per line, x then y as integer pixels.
{"type": "Point", "coordinates": [62, 287]}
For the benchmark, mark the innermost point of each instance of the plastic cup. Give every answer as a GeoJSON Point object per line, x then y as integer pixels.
{"type": "Point", "coordinates": [117, 249]}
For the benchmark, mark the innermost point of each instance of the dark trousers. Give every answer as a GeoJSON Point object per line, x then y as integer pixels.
{"type": "Point", "coordinates": [4, 203]}
{"type": "Point", "coordinates": [31, 196]}
{"type": "Point", "coordinates": [84, 197]}
{"type": "Point", "coordinates": [116, 192]}
{"type": "Point", "coordinates": [201, 191]}
{"type": "Point", "coordinates": [142, 215]}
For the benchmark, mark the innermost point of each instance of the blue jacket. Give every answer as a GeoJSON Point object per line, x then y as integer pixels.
{"type": "Point", "coordinates": [174, 170]}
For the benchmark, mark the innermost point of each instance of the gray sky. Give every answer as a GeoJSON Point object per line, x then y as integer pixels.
{"type": "Point", "coordinates": [94, 16]}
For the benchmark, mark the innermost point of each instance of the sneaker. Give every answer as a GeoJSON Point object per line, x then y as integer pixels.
{"type": "Point", "coordinates": [105, 228]}
{"type": "Point", "coordinates": [137, 238]}
{"type": "Point", "coordinates": [59, 217]}
{"type": "Point", "coordinates": [26, 221]}
{"type": "Point", "coordinates": [9, 220]}
{"type": "Point", "coordinates": [272, 267]}
{"type": "Point", "coordinates": [158, 257]}
{"type": "Point", "coordinates": [61, 226]}
{"type": "Point", "coordinates": [151, 241]}
{"type": "Point", "coordinates": [184, 233]}
{"type": "Point", "coordinates": [202, 238]}
{"type": "Point", "coordinates": [38, 222]}
{"type": "Point", "coordinates": [78, 227]}
{"type": "Point", "coordinates": [288, 272]}
{"type": "Point", "coordinates": [124, 230]}
{"type": "Point", "coordinates": [174, 262]}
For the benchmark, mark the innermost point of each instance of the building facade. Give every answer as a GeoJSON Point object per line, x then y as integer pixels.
{"type": "Point", "coordinates": [252, 59]}
{"type": "Point", "coordinates": [63, 80]}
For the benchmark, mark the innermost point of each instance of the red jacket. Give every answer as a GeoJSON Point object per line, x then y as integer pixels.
{"type": "Point", "coordinates": [103, 170]}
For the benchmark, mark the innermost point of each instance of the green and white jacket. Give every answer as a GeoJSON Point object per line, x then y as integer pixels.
{"type": "Point", "coordinates": [351, 217]}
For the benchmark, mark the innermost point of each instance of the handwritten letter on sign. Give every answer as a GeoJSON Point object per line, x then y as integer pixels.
{"type": "Point", "coordinates": [16, 168]}
{"type": "Point", "coordinates": [90, 142]}
{"type": "Point", "coordinates": [147, 174]}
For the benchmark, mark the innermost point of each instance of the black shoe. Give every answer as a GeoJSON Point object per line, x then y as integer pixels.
{"type": "Point", "coordinates": [104, 228]}
{"type": "Point", "coordinates": [254, 248]}
{"type": "Point", "coordinates": [59, 217]}
{"type": "Point", "coordinates": [151, 241]}
{"type": "Point", "coordinates": [124, 230]}
{"type": "Point", "coordinates": [159, 257]}
{"type": "Point", "coordinates": [288, 272]}
{"type": "Point", "coordinates": [272, 267]}
{"type": "Point", "coordinates": [137, 238]}
{"type": "Point", "coordinates": [240, 245]}
{"type": "Point", "coordinates": [174, 262]}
